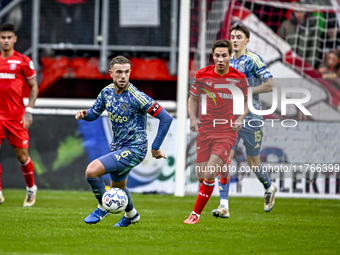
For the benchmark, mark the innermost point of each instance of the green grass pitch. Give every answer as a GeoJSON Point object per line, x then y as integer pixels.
{"type": "Point", "coordinates": [55, 226]}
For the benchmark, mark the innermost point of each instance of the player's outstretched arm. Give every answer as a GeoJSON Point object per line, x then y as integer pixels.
{"type": "Point", "coordinates": [81, 114]}
{"type": "Point", "coordinates": [88, 115]}
{"type": "Point", "coordinates": [165, 120]}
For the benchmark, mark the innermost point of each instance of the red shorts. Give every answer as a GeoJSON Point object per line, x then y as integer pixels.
{"type": "Point", "coordinates": [220, 146]}
{"type": "Point", "coordinates": [16, 134]}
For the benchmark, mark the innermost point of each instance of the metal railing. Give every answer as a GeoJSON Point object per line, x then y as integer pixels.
{"type": "Point", "coordinates": [102, 32]}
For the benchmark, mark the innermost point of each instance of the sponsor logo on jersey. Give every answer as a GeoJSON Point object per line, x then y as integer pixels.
{"type": "Point", "coordinates": [7, 76]}
{"type": "Point", "coordinates": [14, 61]}
{"type": "Point", "coordinates": [232, 80]}
{"type": "Point", "coordinates": [117, 118]}
{"type": "Point", "coordinates": [222, 95]}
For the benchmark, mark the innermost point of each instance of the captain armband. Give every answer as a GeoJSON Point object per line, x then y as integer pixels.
{"type": "Point", "coordinates": [155, 109]}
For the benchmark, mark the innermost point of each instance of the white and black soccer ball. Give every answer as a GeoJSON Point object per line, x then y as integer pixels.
{"type": "Point", "coordinates": [115, 200]}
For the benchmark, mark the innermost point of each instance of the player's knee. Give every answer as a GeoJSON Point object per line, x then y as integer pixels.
{"type": "Point", "coordinates": [22, 159]}
{"type": "Point", "coordinates": [90, 173]}
{"type": "Point", "coordinates": [201, 180]}
{"type": "Point", "coordinates": [95, 169]}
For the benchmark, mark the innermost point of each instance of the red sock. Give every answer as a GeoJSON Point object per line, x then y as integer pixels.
{"type": "Point", "coordinates": [0, 177]}
{"type": "Point", "coordinates": [28, 171]}
{"type": "Point", "coordinates": [204, 194]}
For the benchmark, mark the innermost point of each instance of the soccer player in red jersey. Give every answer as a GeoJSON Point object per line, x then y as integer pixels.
{"type": "Point", "coordinates": [217, 126]}
{"type": "Point", "coordinates": [16, 70]}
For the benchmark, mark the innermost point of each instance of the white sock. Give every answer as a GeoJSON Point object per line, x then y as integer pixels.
{"type": "Point", "coordinates": [225, 203]}
{"type": "Point", "coordinates": [101, 207]}
{"type": "Point", "coordinates": [270, 189]}
{"type": "Point", "coordinates": [131, 213]}
{"type": "Point", "coordinates": [0, 193]}
{"type": "Point", "coordinates": [31, 188]}
{"type": "Point", "coordinates": [198, 215]}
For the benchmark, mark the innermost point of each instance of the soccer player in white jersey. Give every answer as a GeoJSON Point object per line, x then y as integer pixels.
{"type": "Point", "coordinates": [261, 81]}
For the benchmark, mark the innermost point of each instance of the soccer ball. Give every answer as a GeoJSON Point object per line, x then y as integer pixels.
{"type": "Point", "coordinates": [115, 200]}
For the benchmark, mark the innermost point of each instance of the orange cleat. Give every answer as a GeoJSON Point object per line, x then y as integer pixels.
{"type": "Point", "coordinates": [193, 219]}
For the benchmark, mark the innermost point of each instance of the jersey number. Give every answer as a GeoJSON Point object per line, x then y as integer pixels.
{"type": "Point", "coordinates": [122, 155]}
{"type": "Point", "coordinates": [257, 136]}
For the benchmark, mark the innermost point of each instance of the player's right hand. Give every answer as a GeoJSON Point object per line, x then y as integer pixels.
{"type": "Point", "coordinates": [157, 154]}
{"type": "Point", "coordinates": [194, 125]}
{"type": "Point", "coordinates": [27, 120]}
{"type": "Point", "coordinates": [81, 114]}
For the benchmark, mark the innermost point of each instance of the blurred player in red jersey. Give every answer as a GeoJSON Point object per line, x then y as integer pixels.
{"type": "Point", "coordinates": [15, 71]}
{"type": "Point", "coordinates": [217, 129]}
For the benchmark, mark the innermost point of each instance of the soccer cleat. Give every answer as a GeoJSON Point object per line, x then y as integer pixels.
{"type": "Point", "coordinates": [124, 222]}
{"type": "Point", "coordinates": [224, 177]}
{"type": "Point", "coordinates": [2, 199]}
{"type": "Point", "coordinates": [269, 200]}
{"type": "Point", "coordinates": [221, 212]}
{"type": "Point", "coordinates": [31, 194]}
{"type": "Point", "coordinates": [96, 216]}
{"type": "Point", "coordinates": [193, 219]}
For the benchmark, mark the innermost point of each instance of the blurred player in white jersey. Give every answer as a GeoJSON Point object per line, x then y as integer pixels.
{"type": "Point", "coordinates": [261, 81]}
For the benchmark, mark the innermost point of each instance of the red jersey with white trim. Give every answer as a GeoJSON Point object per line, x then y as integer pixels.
{"type": "Point", "coordinates": [14, 73]}
{"type": "Point", "coordinates": [219, 101]}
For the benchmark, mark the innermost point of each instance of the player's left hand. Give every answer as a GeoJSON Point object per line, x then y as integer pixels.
{"type": "Point", "coordinates": [157, 154]}
{"type": "Point", "coordinates": [27, 120]}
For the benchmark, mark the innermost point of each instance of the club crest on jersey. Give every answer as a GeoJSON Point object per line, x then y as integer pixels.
{"type": "Point", "coordinates": [13, 66]}
{"type": "Point", "coordinates": [241, 66]}
{"type": "Point", "coordinates": [124, 107]}
{"type": "Point", "coordinates": [31, 64]}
